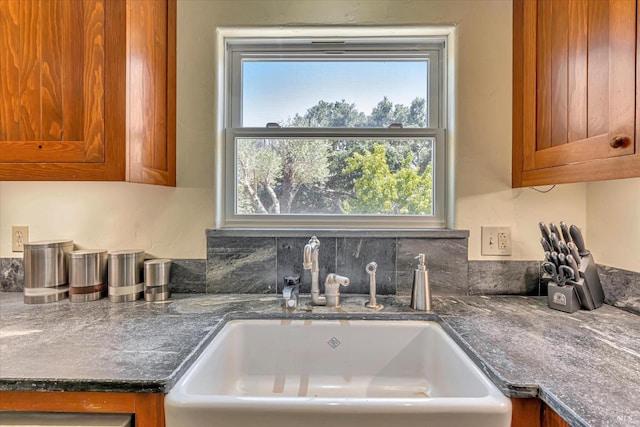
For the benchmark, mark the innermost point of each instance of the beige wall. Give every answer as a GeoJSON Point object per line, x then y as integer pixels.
{"type": "Point", "coordinates": [613, 221]}
{"type": "Point", "coordinates": [171, 222]}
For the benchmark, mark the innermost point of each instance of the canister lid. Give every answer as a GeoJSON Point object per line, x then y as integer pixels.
{"type": "Point", "coordinates": [48, 244]}
{"type": "Point", "coordinates": [82, 253]}
{"type": "Point", "coordinates": [126, 253]}
{"type": "Point", "coordinates": [158, 261]}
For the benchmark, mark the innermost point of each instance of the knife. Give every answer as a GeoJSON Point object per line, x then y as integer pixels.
{"type": "Point", "coordinates": [545, 244]}
{"type": "Point", "coordinates": [565, 231]}
{"type": "Point", "coordinates": [571, 262]}
{"type": "Point", "coordinates": [562, 259]}
{"type": "Point", "coordinates": [545, 231]}
{"type": "Point", "coordinates": [563, 247]}
{"type": "Point", "coordinates": [547, 256]}
{"type": "Point", "coordinates": [554, 258]}
{"type": "Point", "coordinates": [555, 244]}
{"type": "Point", "coordinates": [554, 229]}
{"type": "Point", "coordinates": [574, 252]}
{"type": "Point", "coordinates": [576, 235]}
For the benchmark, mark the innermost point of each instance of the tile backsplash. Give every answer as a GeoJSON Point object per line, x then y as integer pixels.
{"type": "Point", "coordinates": [251, 261]}
{"type": "Point", "coordinates": [241, 261]}
{"type": "Point", "coordinates": [11, 274]}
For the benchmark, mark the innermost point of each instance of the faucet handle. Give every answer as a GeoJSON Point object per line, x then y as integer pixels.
{"type": "Point", "coordinates": [371, 270]}
{"type": "Point", "coordinates": [291, 291]}
{"type": "Point", "coordinates": [291, 280]}
{"type": "Point", "coordinates": [332, 288]}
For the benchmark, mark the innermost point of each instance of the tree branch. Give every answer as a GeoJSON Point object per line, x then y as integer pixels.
{"type": "Point", "coordinates": [255, 200]}
{"type": "Point", "coordinates": [274, 198]}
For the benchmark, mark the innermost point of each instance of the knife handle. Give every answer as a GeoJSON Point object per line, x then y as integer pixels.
{"type": "Point", "coordinates": [554, 229]}
{"type": "Point", "coordinates": [563, 247]}
{"type": "Point", "coordinates": [571, 262]}
{"type": "Point", "coordinates": [545, 245]}
{"type": "Point", "coordinates": [555, 243]}
{"type": "Point", "coordinates": [574, 252]}
{"type": "Point", "coordinates": [564, 228]}
{"type": "Point", "coordinates": [545, 231]}
{"type": "Point", "coordinates": [562, 259]}
{"type": "Point", "coordinates": [554, 259]}
{"type": "Point", "coordinates": [576, 235]}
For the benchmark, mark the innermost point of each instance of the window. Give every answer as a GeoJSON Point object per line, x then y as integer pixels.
{"type": "Point", "coordinates": [333, 131]}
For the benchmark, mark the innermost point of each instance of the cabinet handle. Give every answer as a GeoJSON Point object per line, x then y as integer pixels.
{"type": "Point", "coordinates": [617, 141]}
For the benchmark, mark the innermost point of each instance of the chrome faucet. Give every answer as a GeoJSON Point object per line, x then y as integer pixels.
{"type": "Point", "coordinates": [332, 288]}
{"type": "Point", "coordinates": [310, 262]}
{"type": "Point", "coordinates": [291, 291]}
{"type": "Point", "coordinates": [332, 283]}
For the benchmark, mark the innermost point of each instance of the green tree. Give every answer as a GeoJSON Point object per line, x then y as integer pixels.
{"type": "Point", "coordinates": [258, 168]}
{"type": "Point", "coordinates": [385, 113]}
{"type": "Point", "coordinates": [300, 175]}
{"type": "Point", "coordinates": [271, 172]}
{"type": "Point", "coordinates": [338, 114]}
{"type": "Point", "coordinates": [381, 191]}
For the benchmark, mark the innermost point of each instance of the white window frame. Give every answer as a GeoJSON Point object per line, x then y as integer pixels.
{"type": "Point", "coordinates": [248, 39]}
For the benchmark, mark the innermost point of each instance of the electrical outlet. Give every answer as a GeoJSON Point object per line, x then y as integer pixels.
{"type": "Point", "coordinates": [19, 236]}
{"type": "Point", "coordinates": [496, 240]}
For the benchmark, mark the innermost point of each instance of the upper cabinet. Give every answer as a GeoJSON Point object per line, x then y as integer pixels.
{"type": "Point", "coordinates": [575, 87]}
{"type": "Point", "coordinates": [87, 90]}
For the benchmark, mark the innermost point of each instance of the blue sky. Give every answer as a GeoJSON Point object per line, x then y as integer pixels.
{"type": "Point", "coordinates": [275, 90]}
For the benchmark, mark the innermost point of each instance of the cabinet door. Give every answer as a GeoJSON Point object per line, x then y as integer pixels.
{"type": "Point", "coordinates": [574, 90]}
{"type": "Point", "coordinates": [54, 71]}
{"type": "Point", "coordinates": [151, 72]}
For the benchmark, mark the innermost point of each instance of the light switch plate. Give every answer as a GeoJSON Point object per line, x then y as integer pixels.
{"type": "Point", "coordinates": [496, 241]}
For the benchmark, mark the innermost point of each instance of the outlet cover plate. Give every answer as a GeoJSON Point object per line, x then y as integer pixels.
{"type": "Point", "coordinates": [496, 241]}
{"type": "Point", "coordinates": [19, 236]}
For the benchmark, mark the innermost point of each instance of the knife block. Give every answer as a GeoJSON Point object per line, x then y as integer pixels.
{"type": "Point", "coordinates": [562, 298]}
{"type": "Point", "coordinates": [591, 293]}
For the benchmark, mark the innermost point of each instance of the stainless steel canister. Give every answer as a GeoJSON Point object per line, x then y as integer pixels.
{"type": "Point", "coordinates": [156, 279]}
{"type": "Point", "coordinates": [156, 272]}
{"type": "Point", "coordinates": [88, 267]}
{"type": "Point", "coordinates": [157, 293]}
{"type": "Point", "coordinates": [125, 275]}
{"type": "Point", "coordinates": [46, 270]}
{"type": "Point", "coordinates": [87, 275]}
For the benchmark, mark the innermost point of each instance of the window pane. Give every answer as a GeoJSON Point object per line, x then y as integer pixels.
{"type": "Point", "coordinates": [353, 176]}
{"type": "Point", "coordinates": [331, 93]}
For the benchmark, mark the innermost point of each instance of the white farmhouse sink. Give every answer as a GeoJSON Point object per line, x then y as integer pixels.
{"type": "Point", "coordinates": [334, 373]}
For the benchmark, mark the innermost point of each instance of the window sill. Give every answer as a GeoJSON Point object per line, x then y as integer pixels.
{"type": "Point", "coordinates": [388, 233]}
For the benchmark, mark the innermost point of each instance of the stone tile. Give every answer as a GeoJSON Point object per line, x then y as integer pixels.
{"type": "Point", "coordinates": [621, 288]}
{"type": "Point", "coordinates": [290, 256]}
{"type": "Point", "coordinates": [446, 261]}
{"type": "Point", "coordinates": [504, 277]}
{"type": "Point", "coordinates": [241, 265]}
{"type": "Point", "coordinates": [188, 276]}
{"type": "Point", "coordinates": [353, 255]}
{"type": "Point", "coordinates": [11, 274]}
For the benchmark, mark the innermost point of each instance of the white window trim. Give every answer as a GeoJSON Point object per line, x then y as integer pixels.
{"type": "Point", "coordinates": [223, 194]}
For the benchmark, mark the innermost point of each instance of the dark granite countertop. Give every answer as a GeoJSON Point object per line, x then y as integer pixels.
{"type": "Point", "coordinates": [585, 365]}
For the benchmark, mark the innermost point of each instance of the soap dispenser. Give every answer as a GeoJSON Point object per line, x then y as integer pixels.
{"type": "Point", "coordinates": [421, 292]}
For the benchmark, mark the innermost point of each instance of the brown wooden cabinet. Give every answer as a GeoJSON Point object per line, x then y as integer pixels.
{"type": "Point", "coordinates": [575, 87]}
{"type": "Point", "coordinates": [87, 90]}
{"type": "Point", "coordinates": [147, 408]}
{"type": "Point", "coordinates": [533, 412]}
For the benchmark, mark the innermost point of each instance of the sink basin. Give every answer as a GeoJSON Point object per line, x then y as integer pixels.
{"type": "Point", "coordinates": [334, 372]}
